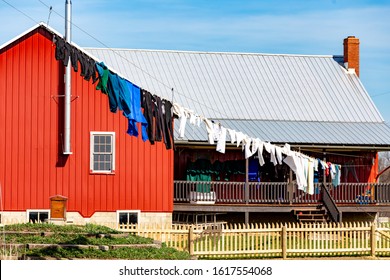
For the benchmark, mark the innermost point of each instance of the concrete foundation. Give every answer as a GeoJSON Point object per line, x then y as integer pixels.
{"type": "Point", "coordinates": [101, 218]}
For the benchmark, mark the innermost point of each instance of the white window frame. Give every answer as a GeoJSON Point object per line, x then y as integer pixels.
{"type": "Point", "coordinates": [28, 211]}
{"type": "Point", "coordinates": [138, 212]}
{"type": "Point", "coordinates": [91, 149]}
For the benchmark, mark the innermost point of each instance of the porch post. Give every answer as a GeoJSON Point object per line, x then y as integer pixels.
{"type": "Point", "coordinates": [247, 189]}
{"type": "Point", "coordinates": [246, 181]}
{"type": "Point", "coordinates": [324, 175]}
{"type": "Point", "coordinates": [290, 187]}
{"type": "Point", "coordinates": [246, 217]}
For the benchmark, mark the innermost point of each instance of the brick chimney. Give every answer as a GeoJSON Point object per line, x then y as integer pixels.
{"type": "Point", "coordinates": [351, 53]}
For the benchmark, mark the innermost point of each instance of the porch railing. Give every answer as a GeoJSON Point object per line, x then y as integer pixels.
{"type": "Point", "coordinates": [271, 192]}
{"type": "Point", "coordinates": [230, 192]}
{"type": "Point", "coordinates": [361, 193]}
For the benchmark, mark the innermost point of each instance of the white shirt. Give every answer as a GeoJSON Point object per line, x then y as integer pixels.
{"type": "Point", "coordinates": [181, 112]}
{"type": "Point", "coordinates": [221, 145]}
{"type": "Point", "coordinates": [232, 134]}
{"type": "Point", "coordinates": [248, 151]}
{"type": "Point", "coordinates": [210, 130]}
{"type": "Point", "coordinates": [270, 148]}
{"type": "Point", "coordinates": [260, 152]}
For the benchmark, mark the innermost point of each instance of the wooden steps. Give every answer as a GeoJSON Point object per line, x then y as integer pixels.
{"type": "Point", "coordinates": [311, 215]}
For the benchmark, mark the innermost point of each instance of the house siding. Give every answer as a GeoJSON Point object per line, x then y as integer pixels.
{"type": "Point", "coordinates": [32, 167]}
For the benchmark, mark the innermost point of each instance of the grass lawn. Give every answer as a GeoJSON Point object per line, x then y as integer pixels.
{"type": "Point", "coordinates": [90, 234]}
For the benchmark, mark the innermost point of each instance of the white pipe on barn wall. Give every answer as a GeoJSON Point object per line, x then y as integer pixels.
{"type": "Point", "coordinates": [67, 78]}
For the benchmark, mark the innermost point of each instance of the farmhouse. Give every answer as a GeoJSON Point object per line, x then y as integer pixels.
{"type": "Point", "coordinates": [75, 152]}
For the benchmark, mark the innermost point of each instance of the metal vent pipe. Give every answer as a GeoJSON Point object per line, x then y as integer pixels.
{"type": "Point", "coordinates": [67, 78]}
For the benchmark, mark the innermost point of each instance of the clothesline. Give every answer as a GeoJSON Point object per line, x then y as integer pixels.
{"type": "Point", "coordinates": [129, 98]}
{"type": "Point", "coordinates": [337, 154]}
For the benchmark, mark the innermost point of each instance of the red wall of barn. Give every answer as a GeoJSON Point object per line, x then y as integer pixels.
{"type": "Point", "coordinates": [32, 168]}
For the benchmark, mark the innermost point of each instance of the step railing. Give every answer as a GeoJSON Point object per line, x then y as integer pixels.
{"type": "Point", "coordinates": [330, 205]}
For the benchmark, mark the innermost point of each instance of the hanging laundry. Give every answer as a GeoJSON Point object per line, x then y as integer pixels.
{"type": "Point", "coordinates": [234, 167]}
{"type": "Point", "coordinates": [349, 167]}
{"type": "Point", "coordinates": [324, 166]}
{"type": "Point", "coordinates": [332, 171]}
{"type": "Point", "coordinates": [169, 137]}
{"type": "Point", "coordinates": [160, 123]}
{"type": "Point", "coordinates": [310, 176]}
{"type": "Point", "coordinates": [120, 92]}
{"type": "Point", "coordinates": [260, 152]}
{"type": "Point", "coordinates": [88, 69]}
{"type": "Point", "coordinates": [305, 166]}
{"type": "Point", "coordinates": [105, 84]}
{"type": "Point", "coordinates": [294, 161]}
{"type": "Point", "coordinates": [200, 170]}
{"type": "Point", "coordinates": [217, 127]}
{"type": "Point", "coordinates": [240, 137]}
{"type": "Point", "coordinates": [103, 77]}
{"type": "Point", "coordinates": [195, 119]}
{"type": "Point", "coordinates": [75, 56]}
{"type": "Point", "coordinates": [65, 52]}
{"type": "Point", "coordinates": [221, 145]}
{"type": "Point", "coordinates": [232, 135]}
{"type": "Point", "coordinates": [218, 168]}
{"type": "Point", "coordinates": [148, 105]}
{"type": "Point", "coordinates": [336, 180]}
{"type": "Point", "coordinates": [316, 162]}
{"type": "Point", "coordinates": [328, 168]}
{"type": "Point", "coordinates": [180, 113]}
{"type": "Point", "coordinates": [192, 119]}
{"type": "Point", "coordinates": [210, 130]}
{"type": "Point", "coordinates": [213, 131]}
{"type": "Point", "coordinates": [286, 149]}
{"type": "Point", "coordinates": [248, 150]}
{"type": "Point", "coordinates": [253, 171]}
{"type": "Point", "coordinates": [278, 153]}
{"type": "Point", "coordinates": [154, 115]}
{"type": "Point", "coordinates": [255, 145]}
{"type": "Point", "coordinates": [134, 112]}
{"type": "Point", "coordinates": [270, 148]}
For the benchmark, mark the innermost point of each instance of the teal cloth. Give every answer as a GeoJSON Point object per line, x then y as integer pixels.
{"type": "Point", "coordinates": [200, 171]}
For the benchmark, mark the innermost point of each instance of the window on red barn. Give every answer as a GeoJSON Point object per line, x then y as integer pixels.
{"type": "Point", "coordinates": [102, 152]}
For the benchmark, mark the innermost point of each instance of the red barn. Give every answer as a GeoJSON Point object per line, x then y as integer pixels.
{"type": "Point", "coordinates": [129, 180]}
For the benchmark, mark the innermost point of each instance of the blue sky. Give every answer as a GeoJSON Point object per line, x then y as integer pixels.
{"type": "Point", "coordinates": [285, 26]}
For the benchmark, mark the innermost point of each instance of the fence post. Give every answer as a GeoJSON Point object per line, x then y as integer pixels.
{"type": "Point", "coordinates": [373, 239]}
{"type": "Point", "coordinates": [191, 241]}
{"type": "Point", "coordinates": [284, 242]}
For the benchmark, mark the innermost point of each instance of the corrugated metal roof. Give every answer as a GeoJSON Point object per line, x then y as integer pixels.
{"type": "Point", "coordinates": [328, 133]}
{"type": "Point", "coordinates": [248, 86]}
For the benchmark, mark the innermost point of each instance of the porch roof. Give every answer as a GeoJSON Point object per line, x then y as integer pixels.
{"type": "Point", "coordinates": [316, 133]}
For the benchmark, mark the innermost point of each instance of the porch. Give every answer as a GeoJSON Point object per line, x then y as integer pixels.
{"type": "Point", "coordinates": [282, 197]}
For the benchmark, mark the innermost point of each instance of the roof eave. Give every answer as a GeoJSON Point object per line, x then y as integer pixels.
{"type": "Point", "coordinates": [322, 146]}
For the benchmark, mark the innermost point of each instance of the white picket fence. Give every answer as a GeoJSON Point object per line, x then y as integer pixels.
{"type": "Point", "coordinates": [272, 240]}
